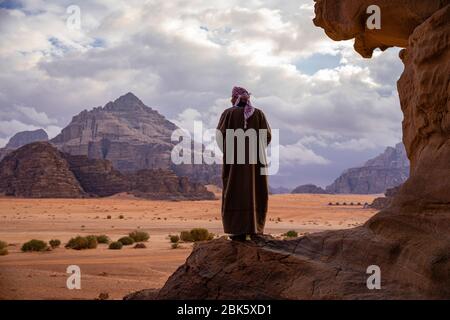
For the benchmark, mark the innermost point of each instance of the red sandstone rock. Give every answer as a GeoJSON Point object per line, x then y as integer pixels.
{"type": "Point", "coordinates": [37, 170]}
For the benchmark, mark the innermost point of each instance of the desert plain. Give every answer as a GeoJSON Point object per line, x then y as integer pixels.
{"type": "Point", "coordinates": [116, 273]}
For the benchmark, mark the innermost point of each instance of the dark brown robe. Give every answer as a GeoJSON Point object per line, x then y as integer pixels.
{"type": "Point", "coordinates": [245, 189]}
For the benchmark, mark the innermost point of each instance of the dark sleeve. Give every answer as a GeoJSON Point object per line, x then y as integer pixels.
{"type": "Point", "coordinates": [221, 131]}
{"type": "Point", "coordinates": [264, 124]}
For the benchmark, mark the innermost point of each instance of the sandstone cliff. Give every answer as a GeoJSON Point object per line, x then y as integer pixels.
{"type": "Point", "coordinates": [132, 136]}
{"type": "Point", "coordinates": [388, 170]}
{"type": "Point", "coordinates": [409, 241]}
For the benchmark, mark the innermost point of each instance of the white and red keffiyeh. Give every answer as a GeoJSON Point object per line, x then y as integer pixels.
{"type": "Point", "coordinates": [243, 94]}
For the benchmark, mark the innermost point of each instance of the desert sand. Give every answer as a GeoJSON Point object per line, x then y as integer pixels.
{"type": "Point", "coordinates": [117, 273]}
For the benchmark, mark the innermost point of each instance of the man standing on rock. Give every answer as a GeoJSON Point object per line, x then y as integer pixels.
{"type": "Point", "coordinates": [243, 136]}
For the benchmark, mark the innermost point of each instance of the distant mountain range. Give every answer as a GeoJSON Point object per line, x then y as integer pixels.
{"type": "Point", "coordinates": [135, 137]}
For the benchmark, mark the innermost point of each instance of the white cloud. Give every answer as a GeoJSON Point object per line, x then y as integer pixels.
{"type": "Point", "coordinates": [183, 59]}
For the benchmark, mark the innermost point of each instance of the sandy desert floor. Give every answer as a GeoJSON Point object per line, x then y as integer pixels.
{"type": "Point", "coordinates": [43, 275]}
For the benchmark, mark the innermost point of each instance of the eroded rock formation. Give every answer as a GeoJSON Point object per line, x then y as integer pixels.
{"type": "Point", "coordinates": [132, 136]}
{"type": "Point", "coordinates": [37, 170]}
{"type": "Point", "coordinates": [309, 189]}
{"type": "Point", "coordinates": [409, 241]}
{"type": "Point", "coordinates": [388, 170]}
{"type": "Point", "coordinates": [23, 138]}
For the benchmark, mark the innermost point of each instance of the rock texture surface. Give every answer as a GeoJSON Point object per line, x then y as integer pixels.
{"type": "Point", "coordinates": [309, 189]}
{"type": "Point", "coordinates": [409, 241]}
{"type": "Point", "coordinates": [132, 136]}
{"type": "Point", "coordinates": [38, 170]}
{"type": "Point", "coordinates": [388, 170]}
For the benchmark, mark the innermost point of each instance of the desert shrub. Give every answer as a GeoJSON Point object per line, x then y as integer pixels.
{"type": "Point", "coordinates": [82, 243]}
{"type": "Point", "coordinates": [3, 250]}
{"type": "Point", "coordinates": [115, 245]}
{"type": "Point", "coordinates": [291, 234]}
{"type": "Point", "coordinates": [121, 217]}
{"type": "Point", "coordinates": [186, 236]}
{"type": "Point", "coordinates": [126, 241]}
{"type": "Point", "coordinates": [139, 236]}
{"type": "Point", "coordinates": [174, 239]}
{"type": "Point", "coordinates": [103, 239]}
{"type": "Point", "coordinates": [140, 246]}
{"type": "Point", "coordinates": [34, 245]}
{"type": "Point", "coordinates": [175, 245]}
{"type": "Point", "coordinates": [109, 217]}
{"type": "Point", "coordinates": [200, 234]}
{"type": "Point", "coordinates": [54, 243]}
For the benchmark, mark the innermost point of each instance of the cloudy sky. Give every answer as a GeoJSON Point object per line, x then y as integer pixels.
{"type": "Point", "coordinates": [333, 108]}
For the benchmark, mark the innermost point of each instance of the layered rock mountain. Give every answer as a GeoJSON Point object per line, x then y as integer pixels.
{"type": "Point", "coordinates": [23, 138]}
{"type": "Point", "coordinates": [132, 136]}
{"type": "Point", "coordinates": [388, 170]}
{"type": "Point", "coordinates": [39, 170]}
{"type": "Point", "coordinates": [410, 240]}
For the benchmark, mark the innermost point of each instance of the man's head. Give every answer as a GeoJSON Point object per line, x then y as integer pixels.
{"type": "Point", "coordinates": [239, 96]}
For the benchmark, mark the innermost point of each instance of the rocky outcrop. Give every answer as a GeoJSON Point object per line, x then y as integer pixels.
{"type": "Point", "coordinates": [279, 190]}
{"type": "Point", "coordinates": [132, 136]}
{"type": "Point", "coordinates": [97, 177]}
{"type": "Point", "coordinates": [23, 138]}
{"type": "Point", "coordinates": [309, 189]}
{"type": "Point", "coordinates": [38, 170]}
{"type": "Point", "coordinates": [383, 203]}
{"type": "Point", "coordinates": [409, 241]}
{"type": "Point", "coordinates": [165, 184]}
{"type": "Point", "coordinates": [388, 170]}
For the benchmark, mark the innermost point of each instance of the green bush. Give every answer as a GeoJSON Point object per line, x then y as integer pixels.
{"type": "Point", "coordinates": [34, 245]}
{"type": "Point", "coordinates": [3, 250]}
{"type": "Point", "coordinates": [175, 245]}
{"type": "Point", "coordinates": [139, 236]}
{"type": "Point", "coordinates": [82, 243]}
{"type": "Point", "coordinates": [291, 234]}
{"type": "Point", "coordinates": [200, 234]}
{"type": "Point", "coordinates": [54, 243]}
{"type": "Point", "coordinates": [186, 236]}
{"type": "Point", "coordinates": [3, 244]}
{"type": "Point", "coordinates": [115, 245]}
{"type": "Point", "coordinates": [140, 246]}
{"type": "Point", "coordinates": [126, 241]}
{"type": "Point", "coordinates": [103, 239]}
{"type": "Point", "coordinates": [174, 239]}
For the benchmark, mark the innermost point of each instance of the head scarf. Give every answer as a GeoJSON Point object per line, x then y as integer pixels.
{"type": "Point", "coordinates": [241, 93]}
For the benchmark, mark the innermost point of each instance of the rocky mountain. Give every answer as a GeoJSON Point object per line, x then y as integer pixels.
{"type": "Point", "coordinates": [388, 170]}
{"type": "Point", "coordinates": [132, 136]}
{"type": "Point", "coordinates": [309, 189]}
{"type": "Point", "coordinates": [279, 190]}
{"type": "Point", "coordinates": [22, 138]}
{"type": "Point", "coordinates": [39, 170]}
